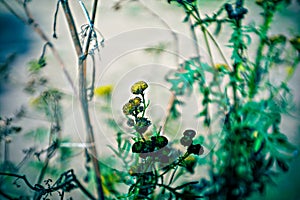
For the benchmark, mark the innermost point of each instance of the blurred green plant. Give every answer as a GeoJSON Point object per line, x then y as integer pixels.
{"type": "Point", "coordinates": [252, 150]}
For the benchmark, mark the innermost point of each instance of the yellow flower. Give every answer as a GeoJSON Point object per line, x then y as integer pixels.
{"type": "Point", "coordinates": [255, 134]}
{"type": "Point", "coordinates": [128, 108]}
{"type": "Point", "coordinates": [35, 101]}
{"type": "Point", "coordinates": [139, 87]}
{"type": "Point", "coordinates": [103, 90]}
{"type": "Point", "coordinates": [221, 67]}
{"type": "Point", "coordinates": [136, 101]}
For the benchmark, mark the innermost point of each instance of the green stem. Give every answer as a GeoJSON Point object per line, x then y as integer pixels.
{"type": "Point", "coordinates": [238, 49]}
{"type": "Point", "coordinates": [256, 74]}
{"type": "Point", "coordinates": [175, 163]}
{"type": "Point", "coordinates": [145, 105]}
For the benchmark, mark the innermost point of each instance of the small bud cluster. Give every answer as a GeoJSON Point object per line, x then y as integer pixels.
{"type": "Point", "coordinates": [237, 13]}
{"type": "Point", "coordinates": [187, 141]}
{"type": "Point", "coordinates": [153, 147]}
{"type": "Point", "coordinates": [136, 107]}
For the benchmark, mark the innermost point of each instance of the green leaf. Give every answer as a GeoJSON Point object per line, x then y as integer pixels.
{"type": "Point", "coordinates": [218, 28]}
{"type": "Point", "coordinates": [34, 66]}
{"type": "Point", "coordinates": [38, 134]}
{"type": "Point", "coordinates": [282, 165]}
{"type": "Point", "coordinates": [174, 113]}
{"type": "Point", "coordinates": [51, 170]}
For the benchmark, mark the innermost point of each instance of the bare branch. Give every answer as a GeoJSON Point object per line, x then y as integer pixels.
{"type": "Point", "coordinates": [66, 179]}
{"type": "Point", "coordinates": [72, 27]}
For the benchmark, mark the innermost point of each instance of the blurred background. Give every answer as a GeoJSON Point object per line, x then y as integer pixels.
{"type": "Point", "coordinates": [129, 32]}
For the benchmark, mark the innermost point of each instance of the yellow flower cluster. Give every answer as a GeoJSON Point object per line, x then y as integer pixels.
{"type": "Point", "coordinates": [128, 108]}
{"type": "Point", "coordinates": [139, 87]}
{"type": "Point", "coordinates": [132, 105]}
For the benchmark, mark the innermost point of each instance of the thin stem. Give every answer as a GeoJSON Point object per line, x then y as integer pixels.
{"type": "Point", "coordinates": [194, 36]}
{"type": "Point", "coordinates": [55, 130]}
{"type": "Point", "coordinates": [144, 103]}
{"type": "Point", "coordinates": [173, 175]}
{"type": "Point", "coordinates": [44, 50]}
{"type": "Point", "coordinates": [82, 53]}
{"type": "Point", "coordinates": [84, 104]}
{"type": "Point", "coordinates": [204, 31]}
{"type": "Point", "coordinates": [175, 163]}
{"type": "Point", "coordinates": [82, 188]}
{"type": "Point", "coordinates": [199, 22]}
{"type": "Point", "coordinates": [91, 88]}
{"type": "Point", "coordinates": [55, 19]}
{"type": "Point", "coordinates": [91, 30]}
{"type": "Point", "coordinates": [176, 50]}
{"type": "Point", "coordinates": [23, 177]}
{"type": "Point", "coordinates": [256, 74]}
{"type": "Point", "coordinates": [6, 150]}
{"type": "Point", "coordinates": [168, 111]}
{"type": "Point", "coordinates": [12, 11]}
{"type": "Point", "coordinates": [218, 48]}
{"type": "Point", "coordinates": [239, 49]}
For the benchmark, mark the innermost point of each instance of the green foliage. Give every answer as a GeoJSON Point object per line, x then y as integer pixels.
{"type": "Point", "coordinates": [39, 134]}
{"type": "Point", "coordinates": [48, 102]}
{"type": "Point", "coordinates": [183, 81]}
{"type": "Point", "coordinates": [152, 156]}
{"type": "Point", "coordinates": [157, 49]}
{"type": "Point", "coordinates": [251, 141]}
{"type": "Point", "coordinates": [35, 66]}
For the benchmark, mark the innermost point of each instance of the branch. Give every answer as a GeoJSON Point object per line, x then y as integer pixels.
{"type": "Point", "coordinates": [23, 177]}
{"type": "Point", "coordinates": [164, 23]}
{"type": "Point", "coordinates": [72, 27]}
{"type": "Point", "coordinates": [176, 50]}
{"type": "Point", "coordinates": [82, 54]}
{"type": "Point", "coordinates": [91, 88]}
{"type": "Point", "coordinates": [39, 189]}
{"type": "Point", "coordinates": [91, 30]}
{"type": "Point", "coordinates": [84, 103]}
{"type": "Point", "coordinates": [55, 19]}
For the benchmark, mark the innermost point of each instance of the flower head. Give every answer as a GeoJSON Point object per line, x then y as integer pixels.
{"type": "Point", "coordinates": [186, 141]}
{"type": "Point", "coordinates": [222, 67]}
{"type": "Point", "coordinates": [189, 133]}
{"type": "Point", "coordinates": [128, 108]}
{"type": "Point", "coordinates": [136, 101]}
{"type": "Point", "coordinates": [103, 90]}
{"type": "Point", "coordinates": [139, 87]}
